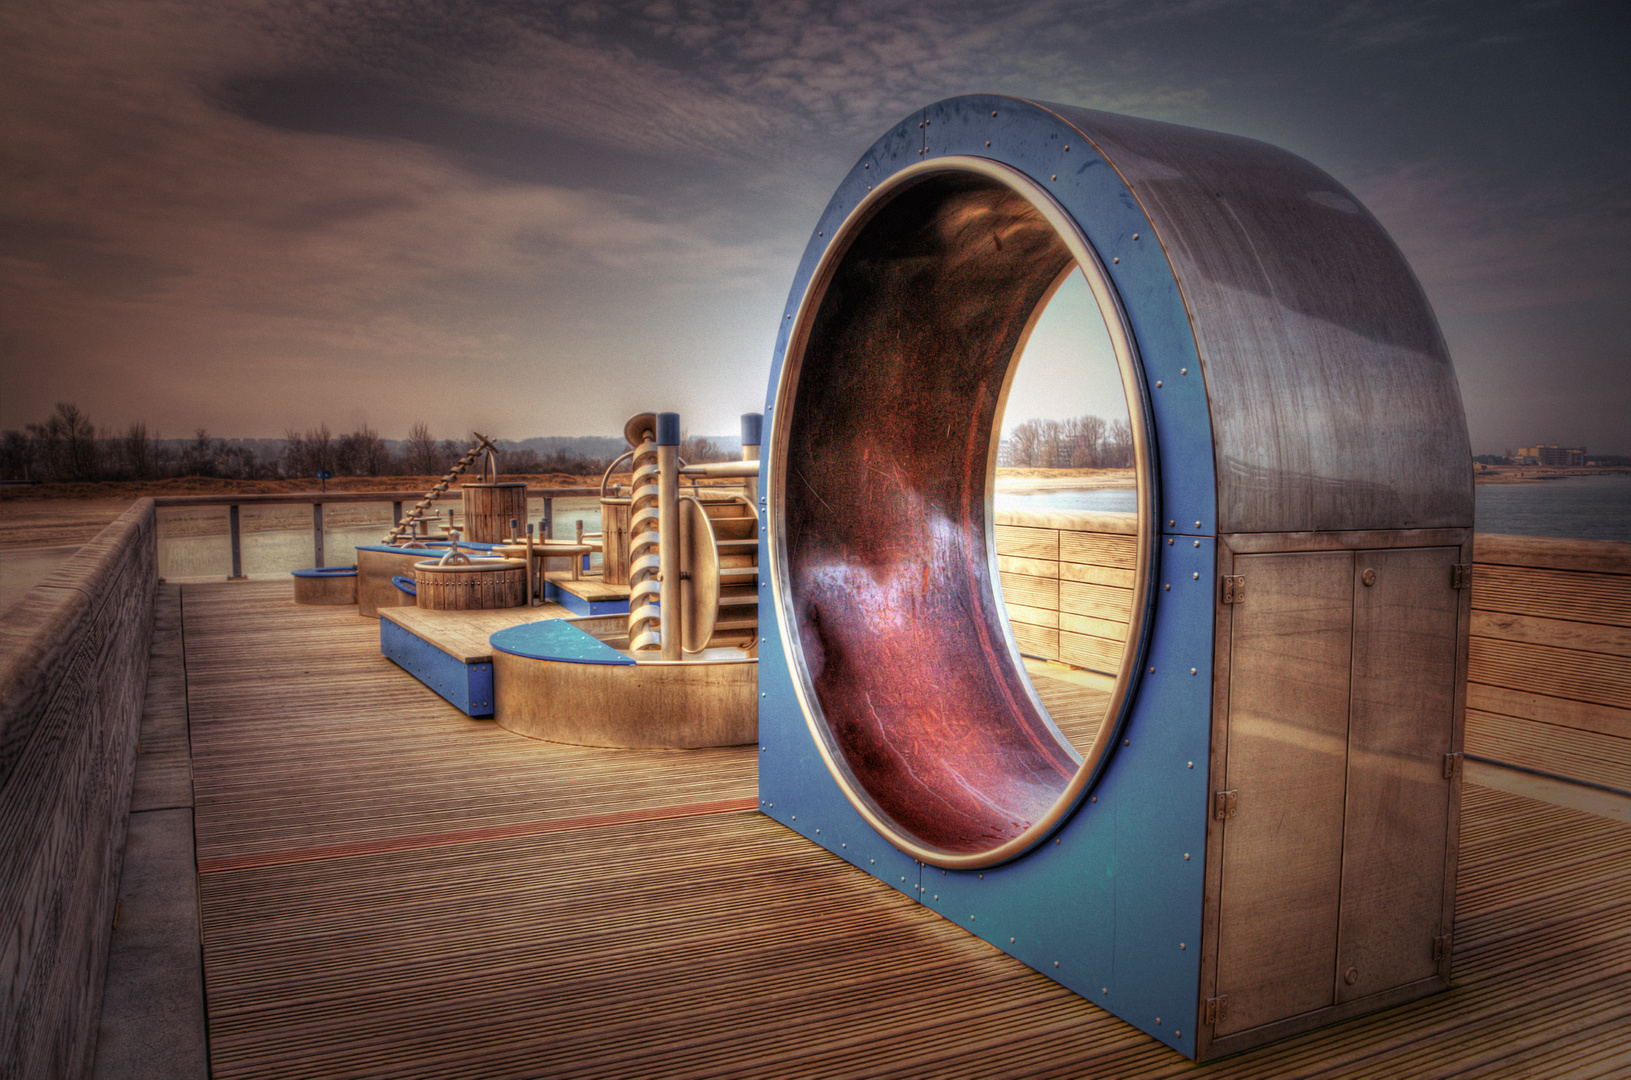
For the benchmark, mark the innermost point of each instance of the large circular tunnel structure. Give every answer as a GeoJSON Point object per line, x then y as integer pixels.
{"type": "Point", "coordinates": [1283, 372]}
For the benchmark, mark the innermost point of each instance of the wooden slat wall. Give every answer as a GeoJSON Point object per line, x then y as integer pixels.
{"type": "Point", "coordinates": [1067, 581]}
{"type": "Point", "coordinates": [73, 668]}
{"type": "Point", "coordinates": [1549, 658]}
{"type": "Point", "coordinates": [391, 888]}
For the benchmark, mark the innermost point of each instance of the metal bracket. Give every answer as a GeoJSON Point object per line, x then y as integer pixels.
{"type": "Point", "coordinates": [1441, 946]}
{"type": "Point", "coordinates": [1223, 804]}
{"type": "Point", "coordinates": [1461, 576]}
{"type": "Point", "coordinates": [1452, 765]}
{"type": "Point", "coordinates": [1234, 588]}
{"type": "Point", "coordinates": [1213, 1010]}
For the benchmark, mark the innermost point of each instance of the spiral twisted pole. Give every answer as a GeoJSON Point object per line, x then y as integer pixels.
{"type": "Point", "coordinates": [645, 628]}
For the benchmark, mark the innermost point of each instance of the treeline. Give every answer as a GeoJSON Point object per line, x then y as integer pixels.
{"type": "Point", "coordinates": [1083, 442]}
{"type": "Point", "coordinates": [67, 446]}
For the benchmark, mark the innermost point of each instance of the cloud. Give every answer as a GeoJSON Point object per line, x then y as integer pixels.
{"type": "Point", "coordinates": [1485, 244]}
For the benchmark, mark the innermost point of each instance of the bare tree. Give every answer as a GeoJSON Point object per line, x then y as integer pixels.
{"type": "Point", "coordinates": [138, 451]}
{"type": "Point", "coordinates": [1118, 448]}
{"type": "Point", "coordinates": [698, 450]}
{"type": "Point", "coordinates": [421, 457]}
{"type": "Point", "coordinates": [361, 453]}
{"type": "Point", "coordinates": [1024, 443]}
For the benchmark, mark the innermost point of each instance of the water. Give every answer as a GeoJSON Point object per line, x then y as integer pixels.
{"type": "Point", "coordinates": [194, 542]}
{"type": "Point", "coordinates": [1577, 507]}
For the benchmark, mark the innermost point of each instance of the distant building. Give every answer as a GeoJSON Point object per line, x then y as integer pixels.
{"type": "Point", "coordinates": [1550, 454]}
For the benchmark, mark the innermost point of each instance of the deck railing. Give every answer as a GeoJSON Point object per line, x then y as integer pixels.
{"type": "Point", "coordinates": [317, 501]}
{"type": "Point", "coordinates": [73, 674]}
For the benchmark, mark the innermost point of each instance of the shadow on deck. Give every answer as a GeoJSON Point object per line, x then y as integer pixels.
{"type": "Point", "coordinates": [389, 887]}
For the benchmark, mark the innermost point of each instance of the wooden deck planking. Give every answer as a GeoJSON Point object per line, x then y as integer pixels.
{"type": "Point", "coordinates": [720, 944]}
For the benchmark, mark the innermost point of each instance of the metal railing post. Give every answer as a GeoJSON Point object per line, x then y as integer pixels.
{"type": "Point", "coordinates": [546, 528]}
{"type": "Point", "coordinates": [396, 513]}
{"type": "Point", "coordinates": [237, 545]}
{"type": "Point", "coordinates": [317, 530]}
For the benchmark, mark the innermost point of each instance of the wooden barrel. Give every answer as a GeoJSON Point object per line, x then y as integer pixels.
{"type": "Point", "coordinates": [480, 583]}
{"type": "Point", "coordinates": [326, 585]}
{"type": "Point", "coordinates": [489, 509]}
{"type": "Point", "coordinates": [614, 540]}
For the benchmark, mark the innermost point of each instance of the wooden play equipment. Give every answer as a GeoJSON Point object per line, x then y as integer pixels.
{"type": "Point", "coordinates": [456, 582]}
{"type": "Point", "coordinates": [326, 585]}
{"type": "Point", "coordinates": [411, 527]}
{"type": "Point", "coordinates": [490, 507]}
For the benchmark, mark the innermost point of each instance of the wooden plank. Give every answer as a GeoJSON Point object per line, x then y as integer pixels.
{"type": "Point", "coordinates": [1568, 673]}
{"type": "Point", "coordinates": [626, 948]}
{"type": "Point", "coordinates": [1019, 613]}
{"type": "Point", "coordinates": [1098, 575]}
{"type": "Point", "coordinates": [1079, 520]}
{"type": "Point", "coordinates": [1026, 543]}
{"type": "Point", "coordinates": [1099, 601]}
{"type": "Point", "coordinates": [1599, 556]}
{"type": "Point", "coordinates": [1093, 653]}
{"type": "Point", "coordinates": [1561, 712]}
{"type": "Point", "coordinates": [1012, 564]}
{"type": "Point", "coordinates": [1588, 637]}
{"type": "Point", "coordinates": [1030, 591]}
{"type": "Point", "coordinates": [1577, 755]}
{"type": "Point", "coordinates": [1553, 594]}
{"type": "Point", "coordinates": [1036, 640]}
{"type": "Point", "coordinates": [463, 634]}
{"type": "Point", "coordinates": [1616, 806]}
{"type": "Point", "coordinates": [1101, 549]}
{"type": "Point", "coordinates": [1112, 629]}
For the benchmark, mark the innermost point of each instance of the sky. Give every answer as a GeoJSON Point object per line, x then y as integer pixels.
{"type": "Point", "coordinates": [537, 218]}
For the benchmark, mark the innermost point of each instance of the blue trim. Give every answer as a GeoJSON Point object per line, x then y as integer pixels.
{"type": "Point", "coordinates": [326, 571]}
{"type": "Point", "coordinates": [577, 605]}
{"type": "Point", "coordinates": [553, 639]}
{"type": "Point", "coordinates": [1103, 907]}
{"type": "Point", "coordinates": [468, 687]}
{"type": "Point", "coordinates": [406, 584]}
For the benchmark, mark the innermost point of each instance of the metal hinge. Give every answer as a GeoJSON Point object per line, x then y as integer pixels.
{"type": "Point", "coordinates": [1461, 576]}
{"type": "Point", "coordinates": [1223, 804]}
{"type": "Point", "coordinates": [1441, 946]}
{"type": "Point", "coordinates": [1213, 1010]}
{"type": "Point", "coordinates": [1234, 588]}
{"type": "Point", "coordinates": [1452, 765]}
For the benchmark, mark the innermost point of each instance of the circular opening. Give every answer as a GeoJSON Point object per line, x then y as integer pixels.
{"type": "Point", "coordinates": [887, 587]}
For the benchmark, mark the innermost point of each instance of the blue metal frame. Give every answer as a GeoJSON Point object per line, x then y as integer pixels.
{"type": "Point", "coordinates": [1110, 905]}
{"type": "Point", "coordinates": [469, 687]}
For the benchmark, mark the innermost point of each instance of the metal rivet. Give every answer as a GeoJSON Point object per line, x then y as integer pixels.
{"type": "Point", "coordinates": [1056, 841]}
{"type": "Point", "coordinates": [843, 845]}
{"type": "Point", "coordinates": [993, 112]}
{"type": "Point", "coordinates": [1197, 524]}
{"type": "Point", "coordinates": [920, 123]}
{"type": "Point", "coordinates": [1116, 259]}
{"type": "Point", "coordinates": [1177, 1034]}
{"type": "Point", "coordinates": [1106, 990]}
{"type": "Point", "coordinates": [937, 896]}
{"type": "Point", "coordinates": [1158, 384]}
{"type": "Point", "coordinates": [1152, 671]}
{"type": "Point", "coordinates": [1094, 798]}
{"type": "Point", "coordinates": [1167, 587]}
{"type": "Point", "coordinates": [1197, 577]}
{"type": "Point", "coordinates": [1192, 671]}
{"type": "Point", "coordinates": [1191, 764]}
{"type": "Point", "coordinates": [1056, 963]}
{"type": "Point", "coordinates": [982, 877]}
{"type": "Point", "coordinates": [988, 142]}
{"type": "Point", "coordinates": [764, 694]}
{"type": "Point", "coordinates": [1171, 521]}
{"type": "Point", "coordinates": [1056, 176]}
{"type": "Point", "coordinates": [1135, 236]}
{"type": "Point", "coordinates": [866, 166]}
{"type": "Point", "coordinates": [874, 862]}
{"type": "Point", "coordinates": [1157, 1019]}
{"type": "Point", "coordinates": [1010, 941]}
{"type": "Point", "coordinates": [1169, 541]}
{"type": "Point", "coordinates": [1186, 856]}
{"type": "Point", "coordinates": [1368, 577]}
{"type": "Point", "coordinates": [1197, 543]}
{"type": "Point", "coordinates": [1126, 742]}
{"type": "Point", "coordinates": [1067, 149]}
{"type": "Point", "coordinates": [1350, 976]}
{"type": "Point", "coordinates": [1183, 371]}
{"type": "Point", "coordinates": [821, 234]}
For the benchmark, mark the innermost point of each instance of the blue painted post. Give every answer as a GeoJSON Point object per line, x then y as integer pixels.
{"type": "Point", "coordinates": [237, 548]}
{"type": "Point", "coordinates": [317, 530]}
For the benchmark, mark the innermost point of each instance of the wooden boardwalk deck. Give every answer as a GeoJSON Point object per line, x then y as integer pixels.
{"type": "Point", "coordinates": [391, 888]}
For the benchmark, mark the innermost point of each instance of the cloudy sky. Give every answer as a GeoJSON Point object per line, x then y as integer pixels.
{"type": "Point", "coordinates": [536, 218]}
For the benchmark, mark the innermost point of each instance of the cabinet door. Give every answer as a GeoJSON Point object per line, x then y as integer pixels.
{"type": "Point", "coordinates": [1400, 728]}
{"type": "Point", "coordinates": [1290, 645]}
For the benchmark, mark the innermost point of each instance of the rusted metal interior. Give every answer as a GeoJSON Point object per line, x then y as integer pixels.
{"type": "Point", "coordinates": [885, 490]}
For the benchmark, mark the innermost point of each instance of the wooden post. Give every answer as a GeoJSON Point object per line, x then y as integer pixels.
{"type": "Point", "coordinates": [237, 547]}
{"type": "Point", "coordinates": [668, 532]}
{"type": "Point", "coordinates": [317, 530]}
{"type": "Point", "coordinates": [531, 583]}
